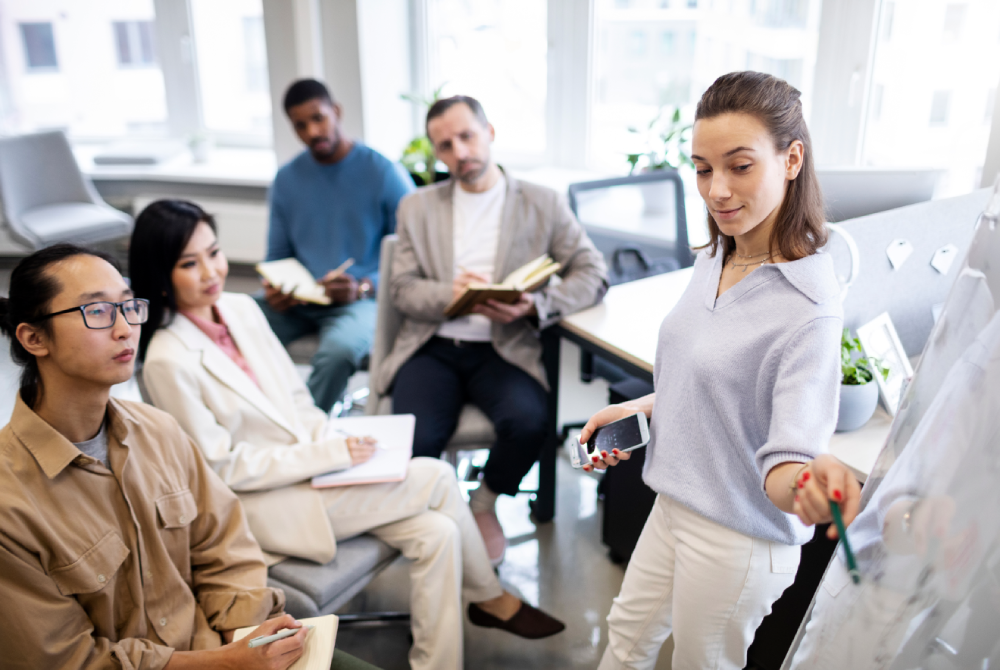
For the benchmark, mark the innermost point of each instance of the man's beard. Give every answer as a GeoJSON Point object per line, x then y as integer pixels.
{"type": "Point", "coordinates": [471, 177]}
{"type": "Point", "coordinates": [326, 155]}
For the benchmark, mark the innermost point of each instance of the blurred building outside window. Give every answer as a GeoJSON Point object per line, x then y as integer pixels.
{"type": "Point", "coordinates": [934, 79]}
{"type": "Point", "coordinates": [94, 70]}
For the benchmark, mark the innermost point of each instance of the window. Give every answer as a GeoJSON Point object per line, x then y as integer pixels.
{"type": "Point", "coordinates": [91, 71]}
{"type": "Point", "coordinates": [939, 108]}
{"type": "Point", "coordinates": [888, 13]}
{"type": "Point", "coordinates": [933, 91]}
{"type": "Point", "coordinates": [39, 46]}
{"type": "Point", "coordinates": [697, 43]}
{"type": "Point", "coordinates": [496, 51]}
{"type": "Point", "coordinates": [232, 69]}
{"type": "Point", "coordinates": [134, 43]}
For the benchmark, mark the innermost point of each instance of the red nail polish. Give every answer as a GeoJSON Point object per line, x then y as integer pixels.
{"type": "Point", "coordinates": [604, 454]}
{"type": "Point", "coordinates": [837, 496]}
{"type": "Point", "coordinates": [802, 483]}
{"type": "Point", "coordinates": [805, 477]}
{"type": "Point", "coordinates": [596, 459]}
{"type": "Point", "coordinates": [614, 451]}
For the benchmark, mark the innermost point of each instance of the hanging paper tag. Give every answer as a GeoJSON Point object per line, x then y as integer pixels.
{"type": "Point", "coordinates": [898, 251]}
{"type": "Point", "coordinates": [944, 257]}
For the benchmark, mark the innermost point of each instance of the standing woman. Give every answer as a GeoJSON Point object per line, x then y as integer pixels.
{"type": "Point", "coordinates": [746, 386]}
{"type": "Point", "coordinates": [212, 362]}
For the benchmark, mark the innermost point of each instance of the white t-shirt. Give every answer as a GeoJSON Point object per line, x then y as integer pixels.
{"type": "Point", "coordinates": [476, 225]}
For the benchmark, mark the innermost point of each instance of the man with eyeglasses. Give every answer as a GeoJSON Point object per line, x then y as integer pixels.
{"type": "Point", "coordinates": [119, 546]}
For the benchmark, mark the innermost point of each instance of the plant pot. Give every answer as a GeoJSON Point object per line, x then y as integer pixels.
{"type": "Point", "coordinates": [857, 404]}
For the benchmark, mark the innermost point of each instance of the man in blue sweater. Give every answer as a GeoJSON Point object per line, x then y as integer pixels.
{"type": "Point", "coordinates": [333, 202]}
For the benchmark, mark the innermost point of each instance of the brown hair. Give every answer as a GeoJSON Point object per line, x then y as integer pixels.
{"type": "Point", "coordinates": [800, 227]}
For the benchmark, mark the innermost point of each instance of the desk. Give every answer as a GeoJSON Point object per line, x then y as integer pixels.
{"type": "Point", "coordinates": [625, 327]}
{"type": "Point", "coordinates": [241, 174]}
{"type": "Point", "coordinates": [624, 330]}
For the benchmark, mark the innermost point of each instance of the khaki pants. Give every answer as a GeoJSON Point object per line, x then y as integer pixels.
{"type": "Point", "coordinates": [426, 518]}
{"type": "Point", "coordinates": [709, 585]}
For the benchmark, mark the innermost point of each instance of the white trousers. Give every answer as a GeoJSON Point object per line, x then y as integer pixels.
{"type": "Point", "coordinates": [426, 518]}
{"type": "Point", "coordinates": [709, 585]}
{"type": "Point", "coordinates": [855, 626]}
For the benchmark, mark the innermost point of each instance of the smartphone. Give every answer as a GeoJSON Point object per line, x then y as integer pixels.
{"type": "Point", "coordinates": [625, 434]}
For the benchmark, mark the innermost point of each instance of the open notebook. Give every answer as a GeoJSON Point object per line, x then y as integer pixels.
{"type": "Point", "coordinates": [289, 275]}
{"type": "Point", "coordinates": [526, 279]}
{"type": "Point", "coordinates": [319, 642]}
{"type": "Point", "coordinates": [394, 434]}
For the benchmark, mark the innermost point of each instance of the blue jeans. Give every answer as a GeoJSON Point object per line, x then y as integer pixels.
{"type": "Point", "coordinates": [345, 332]}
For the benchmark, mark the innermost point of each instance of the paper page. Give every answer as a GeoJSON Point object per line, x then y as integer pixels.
{"type": "Point", "coordinates": [288, 274]}
{"type": "Point", "coordinates": [521, 274]}
{"type": "Point", "coordinates": [394, 434]}
{"type": "Point", "coordinates": [320, 642]}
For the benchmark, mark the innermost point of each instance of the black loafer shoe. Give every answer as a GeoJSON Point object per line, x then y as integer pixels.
{"type": "Point", "coordinates": [529, 622]}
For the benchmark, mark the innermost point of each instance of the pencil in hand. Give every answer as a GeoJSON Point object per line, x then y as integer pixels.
{"type": "Point", "coordinates": [838, 519]}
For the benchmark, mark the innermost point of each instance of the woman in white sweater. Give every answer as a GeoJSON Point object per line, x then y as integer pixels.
{"type": "Point", "coordinates": [746, 386]}
{"type": "Point", "coordinates": [216, 366]}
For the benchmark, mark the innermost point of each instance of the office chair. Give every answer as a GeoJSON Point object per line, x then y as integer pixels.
{"type": "Point", "coordinates": [46, 199]}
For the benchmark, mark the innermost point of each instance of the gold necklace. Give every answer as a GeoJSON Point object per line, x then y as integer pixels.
{"type": "Point", "coordinates": [733, 264]}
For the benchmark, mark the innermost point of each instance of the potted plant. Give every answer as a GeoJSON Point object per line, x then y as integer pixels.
{"type": "Point", "coordinates": [858, 395]}
{"type": "Point", "coordinates": [418, 156]}
{"type": "Point", "coordinates": [666, 139]}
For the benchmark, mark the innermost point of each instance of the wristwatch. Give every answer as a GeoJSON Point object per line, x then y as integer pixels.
{"type": "Point", "coordinates": [365, 289]}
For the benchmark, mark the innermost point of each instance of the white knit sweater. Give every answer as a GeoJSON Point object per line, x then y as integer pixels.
{"type": "Point", "coordinates": [745, 383]}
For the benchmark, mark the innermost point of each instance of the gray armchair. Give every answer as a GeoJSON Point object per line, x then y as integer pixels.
{"type": "Point", "coordinates": [46, 199]}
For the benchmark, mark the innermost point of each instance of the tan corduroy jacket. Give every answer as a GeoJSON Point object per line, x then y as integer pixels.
{"type": "Point", "coordinates": [535, 221]}
{"type": "Point", "coordinates": [117, 568]}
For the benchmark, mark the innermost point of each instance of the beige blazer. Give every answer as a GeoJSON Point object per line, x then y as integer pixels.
{"type": "Point", "coordinates": [535, 221]}
{"type": "Point", "coordinates": [264, 441]}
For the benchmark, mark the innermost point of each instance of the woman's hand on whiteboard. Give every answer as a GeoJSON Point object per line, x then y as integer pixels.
{"type": "Point", "coordinates": [824, 479]}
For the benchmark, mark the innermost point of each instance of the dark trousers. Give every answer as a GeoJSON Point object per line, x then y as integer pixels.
{"type": "Point", "coordinates": [442, 377]}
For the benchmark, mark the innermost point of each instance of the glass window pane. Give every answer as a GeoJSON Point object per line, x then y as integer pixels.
{"type": "Point", "coordinates": [495, 51]}
{"type": "Point", "coordinates": [146, 43]}
{"type": "Point", "coordinates": [650, 57]}
{"type": "Point", "coordinates": [932, 86]}
{"type": "Point", "coordinates": [232, 65]}
{"type": "Point", "coordinates": [39, 45]}
{"type": "Point", "coordinates": [122, 43]}
{"type": "Point", "coordinates": [70, 74]}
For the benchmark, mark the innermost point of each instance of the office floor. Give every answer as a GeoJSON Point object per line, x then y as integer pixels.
{"type": "Point", "coordinates": [561, 566]}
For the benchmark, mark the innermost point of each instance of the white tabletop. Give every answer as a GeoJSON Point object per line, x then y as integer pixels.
{"type": "Point", "coordinates": [227, 167]}
{"type": "Point", "coordinates": [627, 324]}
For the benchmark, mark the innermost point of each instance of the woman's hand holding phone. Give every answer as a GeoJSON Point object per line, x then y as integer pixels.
{"type": "Point", "coordinates": [607, 415]}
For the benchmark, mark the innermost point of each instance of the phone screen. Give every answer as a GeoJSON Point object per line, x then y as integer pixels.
{"type": "Point", "coordinates": [623, 434]}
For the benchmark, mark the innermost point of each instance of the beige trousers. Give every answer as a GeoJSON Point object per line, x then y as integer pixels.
{"type": "Point", "coordinates": [709, 585]}
{"type": "Point", "coordinates": [426, 518]}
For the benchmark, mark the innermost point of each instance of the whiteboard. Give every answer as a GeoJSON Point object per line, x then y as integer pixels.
{"type": "Point", "coordinates": [928, 537]}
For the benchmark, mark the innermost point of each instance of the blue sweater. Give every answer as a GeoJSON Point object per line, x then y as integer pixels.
{"type": "Point", "coordinates": [325, 214]}
{"type": "Point", "coordinates": [745, 383]}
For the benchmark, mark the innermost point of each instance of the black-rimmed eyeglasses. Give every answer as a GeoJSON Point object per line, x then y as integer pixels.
{"type": "Point", "coordinates": [101, 315]}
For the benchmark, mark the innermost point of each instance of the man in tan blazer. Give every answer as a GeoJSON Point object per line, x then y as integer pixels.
{"type": "Point", "coordinates": [478, 227]}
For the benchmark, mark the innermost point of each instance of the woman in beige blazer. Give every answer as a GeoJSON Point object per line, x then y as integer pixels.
{"type": "Point", "coordinates": [217, 367]}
